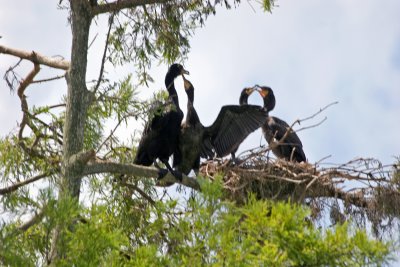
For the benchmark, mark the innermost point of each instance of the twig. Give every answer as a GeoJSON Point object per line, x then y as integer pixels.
{"type": "Point", "coordinates": [312, 125]}
{"type": "Point", "coordinates": [140, 191]}
{"type": "Point", "coordinates": [24, 107]}
{"type": "Point", "coordinates": [316, 113]}
{"type": "Point", "coordinates": [49, 79]}
{"type": "Point", "coordinates": [15, 186]}
{"type": "Point", "coordinates": [110, 22]}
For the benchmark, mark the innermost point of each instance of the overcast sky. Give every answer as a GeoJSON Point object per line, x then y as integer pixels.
{"type": "Point", "coordinates": [310, 52]}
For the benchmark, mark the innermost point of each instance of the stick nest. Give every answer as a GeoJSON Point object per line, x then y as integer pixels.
{"type": "Point", "coordinates": [362, 188]}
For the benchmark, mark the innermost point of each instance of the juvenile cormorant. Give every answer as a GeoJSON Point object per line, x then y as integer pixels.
{"type": "Point", "coordinates": [291, 147]}
{"type": "Point", "coordinates": [160, 135]}
{"type": "Point", "coordinates": [233, 124]}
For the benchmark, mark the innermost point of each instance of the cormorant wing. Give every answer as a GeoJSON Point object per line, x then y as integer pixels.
{"type": "Point", "coordinates": [233, 124]}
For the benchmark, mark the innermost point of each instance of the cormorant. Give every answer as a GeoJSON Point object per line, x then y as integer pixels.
{"type": "Point", "coordinates": [291, 148]}
{"type": "Point", "coordinates": [244, 96]}
{"type": "Point", "coordinates": [187, 157]}
{"type": "Point", "coordinates": [160, 135]}
{"type": "Point", "coordinates": [232, 125]}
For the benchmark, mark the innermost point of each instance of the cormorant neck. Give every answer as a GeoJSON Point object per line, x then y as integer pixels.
{"type": "Point", "coordinates": [243, 99]}
{"type": "Point", "coordinates": [269, 102]}
{"type": "Point", "coordinates": [169, 83]}
{"type": "Point", "coordinates": [190, 95]}
{"type": "Point", "coordinates": [191, 117]}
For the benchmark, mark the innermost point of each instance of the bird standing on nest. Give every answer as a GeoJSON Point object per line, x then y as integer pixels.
{"type": "Point", "coordinates": [232, 125]}
{"type": "Point", "coordinates": [274, 129]}
{"type": "Point", "coordinates": [160, 135]}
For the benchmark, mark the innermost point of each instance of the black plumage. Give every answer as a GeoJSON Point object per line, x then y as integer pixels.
{"type": "Point", "coordinates": [160, 136]}
{"type": "Point", "coordinates": [187, 157]}
{"type": "Point", "coordinates": [232, 125]}
{"type": "Point", "coordinates": [274, 129]}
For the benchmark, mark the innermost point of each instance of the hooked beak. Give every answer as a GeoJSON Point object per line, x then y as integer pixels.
{"type": "Point", "coordinates": [250, 90]}
{"type": "Point", "coordinates": [257, 88]}
{"type": "Point", "coordinates": [184, 72]}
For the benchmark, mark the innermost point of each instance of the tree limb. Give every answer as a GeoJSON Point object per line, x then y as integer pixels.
{"type": "Point", "coordinates": [36, 57]}
{"type": "Point", "coordinates": [35, 219]}
{"type": "Point", "coordinates": [15, 186]}
{"type": "Point", "coordinates": [122, 4]}
{"type": "Point", "coordinates": [100, 166]}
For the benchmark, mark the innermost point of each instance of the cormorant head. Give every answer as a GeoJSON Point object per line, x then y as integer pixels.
{"type": "Point", "coordinates": [246, 92]}
{"type": "Point", "coordinates": [268, 95]}
{"type": "Point", "coordinates": [174, 71]}
{"type": "Point", "coordinates": [177, 69]}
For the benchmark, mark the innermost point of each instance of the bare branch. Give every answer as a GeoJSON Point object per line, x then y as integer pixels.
{"type": "Point", "coordinates": [15, 186]}
{"type": "Point", "coordinates": [122, 4]}
{"type": "Point", "coordinates": [316, 113]}
{"type": "Point", "coordinates": [13, 79]}
{"type": "Point", "coordinates": [36, 58]}
{"type": "Point", "coordinates": [49, 79]}
{"type": "Point", "coordinates": [111, 20]}
{"type": "Point", "coordinates": [24, 107]}
{"type": "Point", "coordinates": [290, 129]}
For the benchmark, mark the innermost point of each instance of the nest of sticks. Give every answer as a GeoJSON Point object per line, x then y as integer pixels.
{"type": "Point", "coordinates": [362, 187]}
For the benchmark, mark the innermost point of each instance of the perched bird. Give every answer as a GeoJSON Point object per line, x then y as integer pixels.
{"type": "Point", "coordinates": [232, 125]}
{"type": "Point", "coordinates": [160, 135]}
{"type": "Point", "coordinates": [187, 156]}
{"type": "Point", "coordinates": [274, 129]}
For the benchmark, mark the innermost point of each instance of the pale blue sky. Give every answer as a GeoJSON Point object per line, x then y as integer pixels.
{"type": "Point", "coordinates": [310, 52]}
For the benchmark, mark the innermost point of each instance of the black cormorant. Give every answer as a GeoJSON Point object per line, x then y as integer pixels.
{"type": "Point", "coordinates": [244, 96]}
{"type": "Point", "coordinates": [187, 157]}
{"type": "Point", "coordinates": [291, 148]}
{"type": "Point", "coordinates": [233, 124]}
{"type": "Point", "coordinates": [160, 135]}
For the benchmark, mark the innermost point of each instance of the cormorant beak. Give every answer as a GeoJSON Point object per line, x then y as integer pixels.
{"type": "Point", "coordinates": [256, 88]}
{"type": "Point", "coordinates": [250, 90]}
{"type": "Point", "coordinates": [184, 72]}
